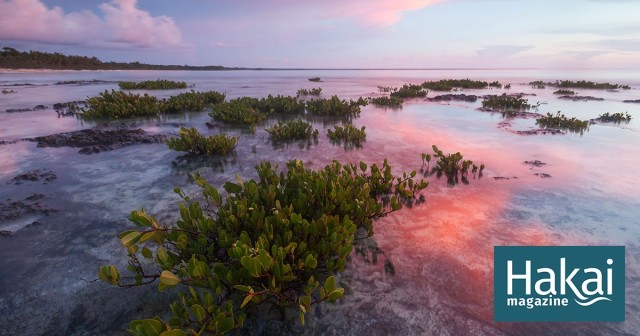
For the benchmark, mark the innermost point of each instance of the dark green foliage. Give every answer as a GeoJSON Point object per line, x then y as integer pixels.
{"type": "Point", "coordinates": [496, 85]}
{"type": "Point", "coordinates": [10, 58]}
{"type": "Point", "coordinates": [565, 92]}
{"type": "Point", "coordinates": [192, 101]}
{"type": "Point", "coordinates": [560, 121]}
{"type": "Point", "coordinates": [160, 84]}
{"type": "Point", "coordinates": [538, 84]}
{"type": "Point", "coordinates": [452, 166]}
{"type": "Point", "coordinates": [309, 92]}
{"type": "Point", "coordinates": [615, 117]}
{"type": "Point", "coordinates": [348, 133]}
{"type": "Point", "coordinates": [292, 130]}
{"type": "Point", "coordinates": [314, 79]}
{"type": "Point", "coordinates": [582, 84]}
{"type": "Point", "coordinates": [508, 86]}
{"type": "Point", "coordinates": [449, 84]}
{"type": "Point", "coordinates": [335, 107]}
{"type": "Point", "coordinates": [119, 104]}
{"type": "Point", "coordinates": [240, 110]}
{"type": "Point", "coordinates": [409, 91]}
{"type": "Point", "coordinates": [385, 89]}
{"type": "Point", "coordinates": [192, 141]}
{"type": "Point", "coordinates": [505, 102]}
{"type": "Point", "coordinates": [391, 101]}
{"type": "Point", "coordinates": [588, 85]}
{"type": "Point", "coordinates": [280, 105]}
{"type": "Point", "coordinates": [275, 241]}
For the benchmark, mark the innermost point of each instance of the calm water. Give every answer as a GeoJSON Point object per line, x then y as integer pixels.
{"type": "Point", "coordinates": [441, 250]}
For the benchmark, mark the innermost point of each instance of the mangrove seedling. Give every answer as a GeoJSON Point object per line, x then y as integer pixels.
{"type": "Point", "coordinates": [565, 92]}
{"type": "Point", "coordinates": [505, 102]}
{"type": "Point", "coordinates": [275, 241]}
{"type": "Point", "coordinates": [391, 101]}
{"type": "Point", "coordinates": [292, 130]}
{"type": "Point", "coordinates": [452, 166]}
{"type": "Point", "coordinates": [192, 101]}
{"type": "Point", "coordinates": [385, 89]}
{"type": "Point", "coordinates": [336, 107]}
{"type": "Point", "coordinates": [119, 104]}
{"type": "Point", "coordinates": [615, 117]}
{"type": "Point", "coordinates": [190, 140]}
{"type": "Point", "coordinates": [347, 133]}
{"type": "Point", "coordinates": [409, 91]}
{"type": "Point", "coordinates": [560, 121]}
{"type": "Point", "coordinates": [309, 92]}
{"type": "Point", "coordinates": [508, 86]}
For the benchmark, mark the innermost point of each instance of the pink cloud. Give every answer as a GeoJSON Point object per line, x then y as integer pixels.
{"type": "Point", "coordinates": [122, 25]}
{"type": "Point", "coordinates": [382, 12]}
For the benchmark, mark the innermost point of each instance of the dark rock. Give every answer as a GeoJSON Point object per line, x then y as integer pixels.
{"type": "Point", "coordinates": [388, 267]}
{"type": "Point", "coordinates": [637, 101]}
{"type": "Point", "coordinates": [10, 209]}
{"type": "Point", "coordinates": [83, 82]}
{"type": "Point", "coordinates": [580, 98]}
{"type": "Point", "coordinates": [19, 110]}
{"type": "Point", "coordinates": [210, 124]}
{"type": "Point", "coordinates": [5, 233]}
{"type": "Point", "coordinates": [69, 108]}
{"type": "Point", "coordinates": [539, 131]}
{"type": "Point", "coordinates": [44, 175]}
{"type": "Point", "coordinates": [536, 163]}
{"type": "Point", "coordinates": [543, 175]}
{"type": "Point", "coordinates": [500, 178]}
{"type": "Point", "coordinates": [457, 97]}
{"type": "Point", "coordinates": [95, 141]}
{"type": "Point", "coordinates": [39, 107]}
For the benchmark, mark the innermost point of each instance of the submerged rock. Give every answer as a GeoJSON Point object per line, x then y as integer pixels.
{"type": "Point", "coordinates": [12, 209]}
{"type": "Point", "coordinates": [44, 175]}
{"type": "Point", "coordinates": [536, 163]}
{"type": "Point", "coordinates": [457, 97]}
{"type": "Point", "coordinates": [96, 141]}
{"type": "Point", "coordinates": [637, 101]}
{"type": "Point", "coordinates": [35, 108]}
{"type": "Point", "coordinates": [539, 131]}
{"type": "Point", "coordinates": [543, 175]}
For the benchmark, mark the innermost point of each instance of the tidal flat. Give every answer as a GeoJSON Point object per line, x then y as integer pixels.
{"type": "Point", "coordinates": [62, 207]}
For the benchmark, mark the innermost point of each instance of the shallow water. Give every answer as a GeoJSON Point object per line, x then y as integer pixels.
{"type": "Point", "coordinates": [441, 250]}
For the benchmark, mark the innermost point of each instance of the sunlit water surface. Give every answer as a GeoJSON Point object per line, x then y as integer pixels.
{"type": "Point", "coordinates": [442, 250]}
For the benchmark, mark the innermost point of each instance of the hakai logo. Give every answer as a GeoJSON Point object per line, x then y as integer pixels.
{"type": "Point", "coordinates": [559, 283]}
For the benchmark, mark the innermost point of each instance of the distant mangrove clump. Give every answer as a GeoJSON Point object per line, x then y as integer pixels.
{"type": "Point", "coordinates": [581, 84]}
{"type": "Point", "coordinates": [119, 104]}
{"type": "Point", "coordinates": [159, 84]}
{"type": "Point", "coordinates": [314, 79]}
{"type": "Point", "coordinates": [614, 117]}
{"type": "Point", "coordinates": [309, 92]}
{"type": "Point", "coordinates": [190, 140]}
{"type": "Point", "coordinates": [409, 91]}
{"type": "Point", "coordinates": [560, 121]}
{"type": "Point", "coordinates": [565, 92]}
{"type": "Point", "coordinates": [450, 84]}
{"type": "Point", "coordinates": [391, 101]}
{"type": "Point", "coordinates": [292, 130]}
{"type": "Point", "coordinates": [506, 102]}
{"type": "Point", "coordinates": [348, 133]}
{"type": "Point", "coordinates": [336, 107]}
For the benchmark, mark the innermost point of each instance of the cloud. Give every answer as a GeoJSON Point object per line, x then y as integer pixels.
{"type": "Point", "coordinates": [380, 12]}
{"type": "Point", "coordinates": [122, 25]}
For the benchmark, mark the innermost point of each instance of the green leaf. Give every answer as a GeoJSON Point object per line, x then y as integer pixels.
{"type": "Point", "coordinates": [169, 279]}
{"type": "Point", "coordinates": [199, 312]}
{"type": "Point", "coordinates": [146, 252]}
{"type": "Point", "coordinates": [242, 288]}
{"type": "Point", "coordinates": [225, 325]}
{"type": "Point", "coordinates": [335, 294]}
{"type": "Point", "coordinates": [174, 332]}
{"type": "Point", "coordinates": [363, 166]}
{"type": "Point", "coordinates": [246, 300]}
{"type": "Point", "coordinates": [310, 262]}
{"type": "Point", "coordinates": [232, 188]}
{"type": "Point", "coordinates": [330, 284]}
{"type": "Point", "coordinates": [130, 238]}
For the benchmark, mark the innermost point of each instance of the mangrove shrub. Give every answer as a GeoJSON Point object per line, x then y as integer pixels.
{"type": "Point", "coordinates": [275, 241]}
{"type": "Point", "coordinates": [190, 140]}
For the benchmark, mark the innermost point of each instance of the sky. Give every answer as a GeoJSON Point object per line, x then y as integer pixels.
{"type": "Point", "coordinates": [333, 33]}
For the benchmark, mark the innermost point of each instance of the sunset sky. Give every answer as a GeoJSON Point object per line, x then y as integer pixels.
{"type": "Point", "coordinates": [333, 33]}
